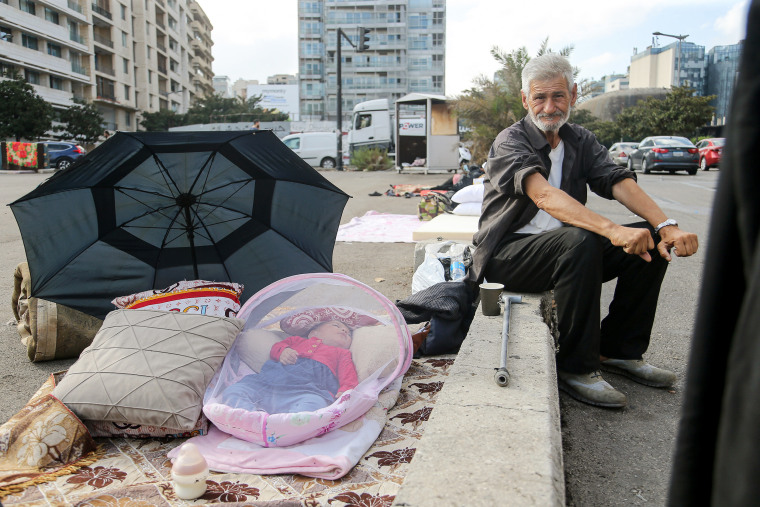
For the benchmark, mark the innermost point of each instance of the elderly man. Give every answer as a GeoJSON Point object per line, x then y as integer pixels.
{"type": "Point", "coordinates": [535, 234]}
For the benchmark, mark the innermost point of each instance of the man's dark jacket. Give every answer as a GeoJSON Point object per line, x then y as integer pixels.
{"type": "Point", "coordinates": [520, 151]}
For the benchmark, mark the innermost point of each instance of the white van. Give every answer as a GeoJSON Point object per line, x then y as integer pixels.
{"type": "Point", "coordinates": [316, 148]}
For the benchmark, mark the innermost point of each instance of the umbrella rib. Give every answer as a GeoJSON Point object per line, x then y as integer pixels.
{"type": "Point", "coordinates": [150, 208]}
{"type": "Point", "coordinates": [164, 172]}
{"type": "Point", "coordinates": [213, 244]}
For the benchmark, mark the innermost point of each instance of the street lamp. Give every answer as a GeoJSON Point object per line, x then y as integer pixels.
{"type": "Point", "coordinates": [680, 39]}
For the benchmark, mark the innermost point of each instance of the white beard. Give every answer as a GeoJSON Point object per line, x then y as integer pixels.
{"type": "Point", "coordinates": [549, 127]}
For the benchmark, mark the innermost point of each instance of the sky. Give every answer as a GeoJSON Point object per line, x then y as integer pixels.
{"type": "Point", "coordinates": [254, 39]}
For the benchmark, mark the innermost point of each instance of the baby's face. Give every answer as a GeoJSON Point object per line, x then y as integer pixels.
{"type": "Point", "coordinates": [334, 333]}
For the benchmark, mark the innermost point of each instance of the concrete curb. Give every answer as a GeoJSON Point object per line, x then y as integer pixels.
{"type": "Point", "coordinates": [487, 445]}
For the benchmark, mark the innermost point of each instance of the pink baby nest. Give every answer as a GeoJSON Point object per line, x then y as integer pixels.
{"type": "Point", "coordinates": [380, 350]}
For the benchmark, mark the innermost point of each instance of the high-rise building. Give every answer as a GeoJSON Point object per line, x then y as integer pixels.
{"type": "Point", "coordinates": [722, 70]}
{"type": "Point", "coordinates": [406, 50]}
{"type": "Point", "coordinates": [659, 67]}
{"type": "Point", "coordinates": [125, 56]}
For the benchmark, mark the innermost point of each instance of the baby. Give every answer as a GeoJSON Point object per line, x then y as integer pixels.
{"type": "Point", "coordinates": [303, 374]}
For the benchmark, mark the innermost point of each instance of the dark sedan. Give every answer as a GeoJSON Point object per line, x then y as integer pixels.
{"type": "Point", "coordinates": [665, 153]}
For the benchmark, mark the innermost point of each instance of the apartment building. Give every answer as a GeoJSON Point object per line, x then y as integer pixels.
{"type": "Point", "coordinates": [126, 56]}
{"type": "Point", "coordinates": [407, 47]}
{"type": "Point", "coordinates": [722, 71]}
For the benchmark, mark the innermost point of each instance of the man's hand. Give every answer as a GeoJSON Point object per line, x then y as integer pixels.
{"type": "Point", "coordinates": [633, 240]}
{"type": "Point", "coordinates": [289, 356]}
{"type": "Point", "coordinates": [681, 242]}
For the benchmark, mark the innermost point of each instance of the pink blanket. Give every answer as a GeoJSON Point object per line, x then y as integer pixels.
{"type": "Point", "coordinates": [375, 227]}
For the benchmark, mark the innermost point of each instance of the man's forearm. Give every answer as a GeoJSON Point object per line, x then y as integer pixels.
{"type": "Point", "coordinates": [564, 207]}
{"type": "Point", "coordinates": [630, 194]}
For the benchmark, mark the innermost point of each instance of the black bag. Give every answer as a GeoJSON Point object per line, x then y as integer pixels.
{"type": "Point", "coordinates": [449, 307]}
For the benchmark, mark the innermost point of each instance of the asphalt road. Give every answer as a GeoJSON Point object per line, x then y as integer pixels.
{"type": "Point", "coordinates": [611, 457]}
{"type": "Point", "coordinates": [623, 457]}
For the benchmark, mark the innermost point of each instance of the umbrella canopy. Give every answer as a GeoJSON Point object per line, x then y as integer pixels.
{"type": "Point", "coordinates": [145, 210]}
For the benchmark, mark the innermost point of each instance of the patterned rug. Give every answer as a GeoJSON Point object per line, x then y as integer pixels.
{"type": "Point", "coordinates": [136, 473]}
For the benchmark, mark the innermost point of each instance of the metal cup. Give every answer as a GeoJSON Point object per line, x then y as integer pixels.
{"type": "Point", "coordinates": [489, 298]}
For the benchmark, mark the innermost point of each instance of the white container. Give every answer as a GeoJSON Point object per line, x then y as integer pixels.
{"type": "Point", "coordinates": [189, 472]}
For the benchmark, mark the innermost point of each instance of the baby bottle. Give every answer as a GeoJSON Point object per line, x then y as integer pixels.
{"type": "Point", "coordinates": [189, 472]}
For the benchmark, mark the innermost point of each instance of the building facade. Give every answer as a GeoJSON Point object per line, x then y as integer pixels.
{"type": "Point", "coordinates": [125, 56]}
{"type": "Point", "coordinates": [722, 71]}
{"type": "Point", "coordinates": [406, 52]}
{"type": "Point", "coordinates": [659, 67]}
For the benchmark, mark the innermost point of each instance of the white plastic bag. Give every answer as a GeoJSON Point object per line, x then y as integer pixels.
{"type": "Point", "coordinates": [429, 273]}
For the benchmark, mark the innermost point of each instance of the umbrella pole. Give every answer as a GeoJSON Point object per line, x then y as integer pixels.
{"type": "Point", "coordinates": [191, 238]}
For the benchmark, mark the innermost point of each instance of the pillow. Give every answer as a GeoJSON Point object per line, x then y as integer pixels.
{"type": "Point", "coordinates": [194, 296]}
{"type": "Point", "coordinates": [148, 367]}
{"type": "Point", "coordinates": [470, 193]}
{"type": "Point", "coordinates": [372, 347]}
{"type": "Point", "coordinates": [253, 345]}
{"type": "Point", "coordinates": [111, 429]}
{"type": "Point", "coordinates": [300, 323]}
{"type": "Point", "coordinates": [468, 208]}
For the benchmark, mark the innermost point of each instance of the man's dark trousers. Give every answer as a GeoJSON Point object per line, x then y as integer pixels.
{"type": "Point", "coordinates": [574, 263]}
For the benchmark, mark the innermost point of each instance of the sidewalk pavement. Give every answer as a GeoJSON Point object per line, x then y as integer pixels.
{"type": "Point", "coordinates": [488, 445]}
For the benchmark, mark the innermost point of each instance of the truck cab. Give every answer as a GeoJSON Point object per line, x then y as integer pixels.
{"type": "Point", "coordinates": [371, 126]}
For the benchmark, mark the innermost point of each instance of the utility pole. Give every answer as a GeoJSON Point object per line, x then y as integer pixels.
{"type": "Point", "coordinates": [680, 39]}
{"type": "Point", "coordinates": [363, 45]}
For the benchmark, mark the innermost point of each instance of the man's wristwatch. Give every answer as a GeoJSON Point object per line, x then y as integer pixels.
{"type": "Point", "coordinates": [666, 223]}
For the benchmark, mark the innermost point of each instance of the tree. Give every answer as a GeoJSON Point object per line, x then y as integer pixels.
{"type": "Point", "coordinates": [493, 105]}
{"type": "Point", "coordinates": [680, 113]}
{"type": "Point", "coordinates": [23, 113]}
{"type": "Point", "coordinates": [606, 132]}
{"type": "Point", "coordinates": [161, 121]}
{"type": "Point", "coordinates": [83, 121]}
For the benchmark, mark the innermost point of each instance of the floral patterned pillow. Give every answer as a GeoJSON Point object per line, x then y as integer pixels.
{"type": "Point", "coordinates": [195, 296]}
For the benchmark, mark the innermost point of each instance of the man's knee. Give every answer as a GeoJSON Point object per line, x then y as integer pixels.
{"type": "Point", "coordinates": [583, 245]}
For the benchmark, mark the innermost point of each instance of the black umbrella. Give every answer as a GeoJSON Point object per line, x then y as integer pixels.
{"type": "Point", "coordinates": [145, 210]}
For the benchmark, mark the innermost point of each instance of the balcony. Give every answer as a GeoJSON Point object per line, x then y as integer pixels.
{"type": "Point", "coordinates": [102, 11]}
{"type": "Point", "coordinates": [105, 69]}
{"type": "Point", "coordinates": [100, 39]}
{"type": "Point", "coordinates": [79, 68]}
{"type": "Point", "coordinates": [74, 6]}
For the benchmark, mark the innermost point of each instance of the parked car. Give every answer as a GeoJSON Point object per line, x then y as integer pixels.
{"type": "Point", "coordinates": [710, 151]}
{"type": "Point", "coordinates": [316, 148]}
{"type": "Point", "coordinates": [664, 153]}
{"type": "Point", "coordinates": [619, 152]}
{"type": "Point", "coordinates": [62, 154]}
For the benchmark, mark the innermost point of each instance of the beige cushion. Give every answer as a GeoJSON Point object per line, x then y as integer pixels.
{"type": "Point", "coordinates": [148, 367]}
{"type": "Point", "coordinates": [372, 348]}
{"type": "Point", "coordinates": [253, 346]}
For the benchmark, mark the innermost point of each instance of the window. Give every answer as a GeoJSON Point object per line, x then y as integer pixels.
{"type": "Point", "coordinates": [124, 39]}
{"type": "Point", "coordinates": [126, 92]}
{"type": "Point", "coordinates": [54, 50]}
{"type": "Point", "coordinates": [27, 6]}
{"type": "Point", "coordinates": [125, 65]}
{"type": "Point", "coordinates": [32, 77]}
{"type": "Point", "coordinates": [29, 41]}
{"type": "Point", "coordinates": [56, 83]}
{"type": "Point", "coordinates": [128, 118]}
{"type": "Point", "coordinates": [123, 12]}
{"type": "Point", "coordinates": [294, 143]}
{"type": "Point", "coordinates": [51, 15]}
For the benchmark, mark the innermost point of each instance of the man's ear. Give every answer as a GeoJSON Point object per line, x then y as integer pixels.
{"type": "Point", "coordinates": [574, 94]}
{"type": "Point", "coordinates": [524, 100]}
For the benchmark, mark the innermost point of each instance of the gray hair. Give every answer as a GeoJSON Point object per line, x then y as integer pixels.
{"type": "Point", "coordinates": [547, 66]}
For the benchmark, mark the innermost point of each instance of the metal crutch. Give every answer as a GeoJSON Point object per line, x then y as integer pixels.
{"type": "Point", "coordinates": [502, 375]}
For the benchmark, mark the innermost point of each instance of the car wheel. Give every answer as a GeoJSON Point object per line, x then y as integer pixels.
{"type": "Point", "coordinates": [327, 163]}
{"type": "Point", "coordinates": [703, 164]}
{"type": "Point", "coordinates": [630, 164]}
{"type": "Point", "coordinates": [63, 163]}
{"type": "Point", "coordinates": [692, 171]}
{"type": "Point", "coordinates": [644, 167]}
